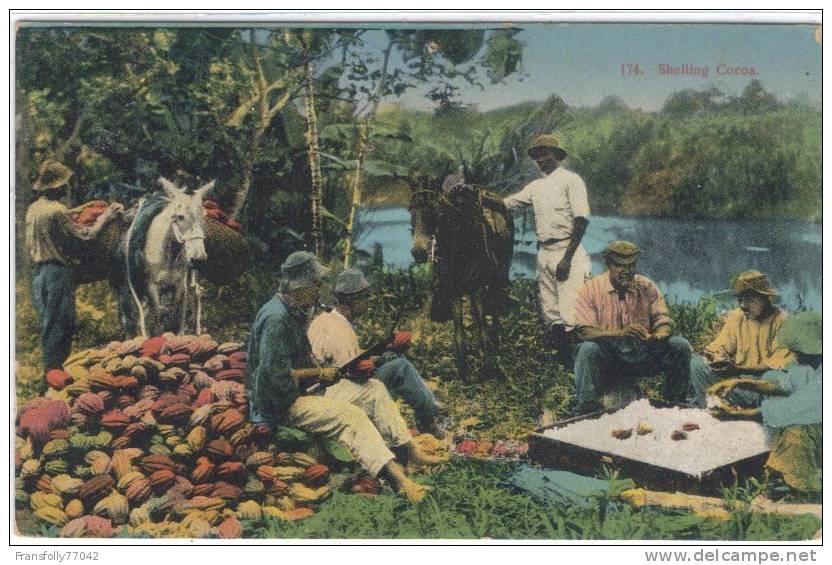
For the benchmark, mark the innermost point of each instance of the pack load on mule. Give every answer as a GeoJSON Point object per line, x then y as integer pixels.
{"type": "Point", "coordinates": [101, 258]}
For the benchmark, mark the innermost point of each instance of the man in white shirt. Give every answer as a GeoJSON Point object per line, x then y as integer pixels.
{"type": "Point", "coordinates": [560, 206]}
{"type": "Point", "coordinates": [335, 343]}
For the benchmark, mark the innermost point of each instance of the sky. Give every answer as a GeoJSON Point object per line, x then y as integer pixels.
{"type": "Point", "coordinates": [582, 63]}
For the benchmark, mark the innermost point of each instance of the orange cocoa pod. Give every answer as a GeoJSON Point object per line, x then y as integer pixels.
{"type": "Point", "coordinates": [315, 475]}
{"type": "Point", "coordinates": [161, 480]}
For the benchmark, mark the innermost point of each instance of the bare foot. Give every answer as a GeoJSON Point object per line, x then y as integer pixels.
{"type": "Point", "coordinates": [420, 457]}
{"type": "Point", "coordinates": [413, 491]}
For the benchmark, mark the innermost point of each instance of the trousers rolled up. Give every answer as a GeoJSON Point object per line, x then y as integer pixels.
{"type": "Point", "coordinates": [605, 366]}
{"type": "Point", "coordinates": [557, 299]}
{"type": "Point", "coordinates": [53, 296]}
{"type": "Point", "coordinates": [702, 377]}
{"type": "Point", "coordinates": [403, 381]}
{"type": "Point", "coordinates": [361, 416]}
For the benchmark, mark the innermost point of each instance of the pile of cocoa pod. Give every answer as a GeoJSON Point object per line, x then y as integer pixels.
{"type": "Point", "coordinates": [150, 437]}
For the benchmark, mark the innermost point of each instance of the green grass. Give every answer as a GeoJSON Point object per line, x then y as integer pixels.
{"type": "Point", "coordinates": [470, 501]}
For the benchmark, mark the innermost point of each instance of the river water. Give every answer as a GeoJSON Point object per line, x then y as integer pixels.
{"type": "Point", "coordinates": [686, 258]}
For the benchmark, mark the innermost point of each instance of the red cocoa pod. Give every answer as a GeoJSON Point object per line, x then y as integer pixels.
{"type": "Point", "coordinates": [230, 528]}
{"type": "Point", "coordinates": [219, 449]}
{"type": "Point", "coordinates": [176, 360]}
{"type": "Point", "coordinates": [299, 513]}
{"type": "Point", "coordinates": [134, 429]}
{"type": "Point", "coordinates": [115, 420]}
{"type": "Point", "coordinates": [204, 397]}
{"type": "Point", "coordinates": [187, 389]}
{"type": "Point", "coordinates": [690, 426]}
{"type": "Point", "coordinates": [678, 435]}
{"type": "Point", "coordinates": [266, 474]}
{"type": "Point", "coordinates": [167, 399]}
{"type": "Point", "coordinates": [241, 365]}
{"type": "Point", "coordinates": [178, 412]}
{"type": "Point", "coordinates": [124, 382]}
{"type": "Point", "coordinates": [230, 374]}
{"type": "Point", "coordinates": [138, 491]}
{"type": "Point", "coordinates": [125, 400]}
{"type": "Point", "coordinates": [227, 491]}
{"type": "Point", "coordinates": [106, 396]}
{"type": "Point", "coordinates": [149, 391]}
{"type": "Point", "coordinates": [89, 403]}
{"type": "Point", "coordinates": [95, 489]}
{"type": "Point", "coordinates": [181, 487]}
{"type": "Point", "coordinates": [279, 487]}
{"type": "Point", "coordinates": [204, 489]}
{"type": "Point", "coordinates": [232, 471]}
{"type": "Point", "coordinates": [366, 485]}
{"type": "Point", "coordinates": [151, 347]}
{"type": "Point", "coordinates": [122, 442]}
{"type": "Point", "coordinates": [315, 475]}
{"type": "Point", "coordinates": [44, 483]}
{"type": "Point", "coordinates": [203, 471]}
{"type": "Point", "coordinates": [466, 447]}
{"type": "Point", "coordinates": [227, 422]}
{"type": "Point", "coordinates": [161, 480]}
{"type": "Point", "coordinates": [238, 356]}
{"type": "Point", "coordinates": [58, 378]}
{"type": "Point", "coordinates": [152, 463]}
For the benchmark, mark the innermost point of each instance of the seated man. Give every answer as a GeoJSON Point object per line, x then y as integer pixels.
{"type": "Point", "coordinates": [625, 325]}
{"type": "Point", "coordinates": [792, 403]}
{"type": "Point", "coordinates": [363, 417]}
{"type": "Point", "coordinates": [335, 343]}
{"type": "Point", "coordinates": [745, 345]}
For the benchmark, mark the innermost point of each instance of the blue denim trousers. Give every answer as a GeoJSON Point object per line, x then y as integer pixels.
{"type": "Point", "coordinates": [403, 381]}
{"type": "Point", "coordinates": [53, 296]}
{"type": "Point", "coordinates": [605, 366]}
{"type": "Point", "coordinates": [702, 377]}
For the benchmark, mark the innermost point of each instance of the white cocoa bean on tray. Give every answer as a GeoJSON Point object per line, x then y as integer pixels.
{"type": "Point", "coordinates": [714, 444]}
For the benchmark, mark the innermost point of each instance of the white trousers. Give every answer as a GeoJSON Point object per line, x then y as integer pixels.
{"type": "Point", "coordinates": [361, 416]}
{"type": "Point", "coordinates": [557, 299]}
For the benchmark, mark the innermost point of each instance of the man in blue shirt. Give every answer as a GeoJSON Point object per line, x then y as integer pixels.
{"type": "Point", "coordinates": [363, 417]}
{"type": "Point", "coordinates": [790, 403]}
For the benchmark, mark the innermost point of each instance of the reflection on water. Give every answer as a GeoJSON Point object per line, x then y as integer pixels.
{"type": "Point", "coordinates": [686, 258]}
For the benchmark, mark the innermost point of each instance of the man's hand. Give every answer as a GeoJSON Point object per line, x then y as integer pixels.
{"type": "Point", "coordinates": [328, 376]}
{"type": "Point", "coordinates": [563, 268]}
{"type": "Point", "coordinates": [637, 331]}
{"type": "Point", "coordinates": [117, 207]}
{"type": "Point", "coordinates": [363, 370]}
{"type": "Point", "coordinates": [400, 342]}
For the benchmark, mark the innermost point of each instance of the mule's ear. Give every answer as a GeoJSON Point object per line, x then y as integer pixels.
{"type": "Point", "coordinates": [170, 189]}
{"type": "Point", "coordinates": [204, 189]}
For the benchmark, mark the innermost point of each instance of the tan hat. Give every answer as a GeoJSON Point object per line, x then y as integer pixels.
{"type": "Point", "coordinates": [543, 144]}
{"type": "Point", "coordinates": [52, 175]}
{"type": "Point", "coordinates": [624, 252]}
{"type": "Point", "coordinates": [301, 269]}
{"type": "Point", "coordinates": [754, 281]}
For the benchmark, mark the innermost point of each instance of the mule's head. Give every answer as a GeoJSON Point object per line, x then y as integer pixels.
{"type": "Point", "coordinates": [187, 218]}
{"type": "Point", "coordinates": [422, 223]}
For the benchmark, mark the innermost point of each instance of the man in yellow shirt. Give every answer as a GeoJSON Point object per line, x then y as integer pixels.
{"type": "Point", "coordinates": [745, 345]}
{"type": "Point", "coordinates": [52, 240]}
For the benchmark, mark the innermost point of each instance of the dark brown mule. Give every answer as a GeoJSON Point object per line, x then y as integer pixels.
{"type": "Point", "coordinates": [469, 237]}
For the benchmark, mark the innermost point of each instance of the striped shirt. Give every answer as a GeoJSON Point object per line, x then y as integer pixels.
{"type": "Point", "coordinates": [598, 305]}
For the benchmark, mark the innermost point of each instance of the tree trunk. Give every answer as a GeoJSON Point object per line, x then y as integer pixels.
{"type": "Point", "coordinates": [315, 196]}
{"type": "Point", "coordinates": [362, 150]}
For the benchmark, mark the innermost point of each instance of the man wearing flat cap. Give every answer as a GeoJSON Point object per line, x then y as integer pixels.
{"type": "Point", "coordinates": [625, 325]}
{"type": "Point", "coordinates": [561, 208]}
{"type": "Point", "coordinates": [335, 343]}
{"type": "Point", "coordinates": [745, 345]}
{"type": "Point", "coordinates": [52, 240]}
{"type": "Point", "coordinates": [362, 416]}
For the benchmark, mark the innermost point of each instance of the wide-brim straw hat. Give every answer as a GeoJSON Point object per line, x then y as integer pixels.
{"type": "Point", "coordinates": [753, 281]}
{"type": "Point", "coordinates": [52, 175]}
{"type": "Point", "coordinates": [622, 252]}
{"type": "Point", "coordinates": [543, 144]}
{"type": "Point", "coordinates": [802, 332]}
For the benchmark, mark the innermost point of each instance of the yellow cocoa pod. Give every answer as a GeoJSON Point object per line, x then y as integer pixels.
{"type": "Point", "coordinates": [249, 510]}
{"type": "Point", "coordinates": [165, 430]}
{"type": "Point", "coordinates": [303, 493]}
{"type": "Point", "coordinates": [196, 438]}
{"type": "Point", "coordinates": [139, 516]}
{"type": "Point", "coordinates": [287, 473]}
{"type": "Point", "coordinates": [40, 499]}
{"type": "Point", "coordinates": [52, 516]}
{"type": "Point", "coordinates": [127, 479]}
{"type": "Point", "coordinates": [66, 485]}
{"type": "Point", "coordinates": [173, 441]}
{"type": "Point", "coordinates": [30, 468]}
{"type": "Point", "coordinates": [199, 528]}
{"type": "Point", "coordinates": [302, 459]}
{"type": "Point", "coordinates": [128, 362]}
{"type": "Point", "coordinates": [183, 451]}
{"type": "Point", "coordinates": [78, 388]}
{"type": "Point", "coordinates": [74, 509]}
{"type": "Point", "coordinates": [56, 448]}
{"type": "Point", "coordinates": [79, 373]}
{"type": "Point", "coordinates": [113, 506]}
{"type": "Point", "coordinates": [274, 512]}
